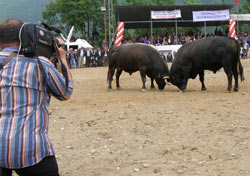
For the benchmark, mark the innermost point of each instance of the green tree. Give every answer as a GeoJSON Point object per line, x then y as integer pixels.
{"type": "Point", "coordinates": [84, 15]}
{"type": "Point", "coordinates": [245, 10]}
{"type": "Point", "coordinates": [191, 2]}
{"type": "Point", "coordinates": [246, 6]}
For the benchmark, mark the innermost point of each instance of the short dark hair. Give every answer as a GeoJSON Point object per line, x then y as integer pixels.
{"type": "Point", "coordinates": [9, 31]}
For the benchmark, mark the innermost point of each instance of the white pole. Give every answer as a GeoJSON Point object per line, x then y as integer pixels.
{"type": "Point", "coordinates": [237, 32]}
{"type": "Point", "coordinates": [176, 31]}
{"type": "Point", "coordinates": [109, 23]}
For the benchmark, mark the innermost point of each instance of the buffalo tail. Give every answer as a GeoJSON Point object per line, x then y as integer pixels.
{"type": "Point", "coordinates": [240, 67]}
{"type": "Point", "coordinates": [242, 78]}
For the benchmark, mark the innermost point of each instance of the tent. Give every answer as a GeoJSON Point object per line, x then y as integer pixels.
{"type": "Point", "coordinates": [80, 43]}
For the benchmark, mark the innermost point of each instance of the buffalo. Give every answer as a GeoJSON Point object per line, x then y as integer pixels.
{"type": "Point", "coordinates": [137, 57]}
{"type": "Point", "coordinates": [211, 53]}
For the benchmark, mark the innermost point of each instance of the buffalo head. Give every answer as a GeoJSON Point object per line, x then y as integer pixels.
{"type": "Point", "coordinates": [177, 80]}
{"type": "Point", "coordinates": [160, 82]}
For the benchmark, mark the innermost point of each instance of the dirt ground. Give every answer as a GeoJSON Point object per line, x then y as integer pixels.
{"type": "Point", "coordinates": [127, 132]}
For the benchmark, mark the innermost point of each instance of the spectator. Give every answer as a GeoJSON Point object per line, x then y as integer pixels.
{"type": "Point", "coordinates": [88, 57]}
{"type": "Point", "coordinates": [175, 42]}
{"type": "Point", "coordinates": [245, 49]}
{"type": "Point", "coordinates": [169, 57]}
{"type": "Point", "coordinates": [105, 56]}
{"type": "Point", "coordinates": [80, 55]}
{"type": "Point", "coordinates": [99, 56]}
{"type": "Point", "coordinates": [158, 41]}
{"type": "Point", "coordinates": [146, 41]}
{"type": "Point", "coordinates": [76, 59]}
{"type": "Point", "coordinates": [163, 57]}
{"type": "Point", "coordinates": [164, 41]}
{"type": "Point", "coordinates": [245, 38]}
{"type": "Point", "coordinates": [93, 58]}
{"type": "Point", "coordinates": [72, 62]}
{"type": "Point", "coordinates": [95, 35]}
{"type": "Point", "coordinates": [170, 42]}
{"type": "Point", "coordinates": [241, 52]}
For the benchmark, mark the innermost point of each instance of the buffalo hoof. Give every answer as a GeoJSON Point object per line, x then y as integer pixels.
{"type": "Point", "coordinates": [236, 89]}
{"type": "Point", "coordinates": [118, 88]}
{"type": "Point", "coordinates": [143, 90]}
{"type": "Point", "coordinates": [229, 90]}
{"type": "Point", "coordinates": [181, 91]}
{"type": "Point", "coordinates": [203, 88]}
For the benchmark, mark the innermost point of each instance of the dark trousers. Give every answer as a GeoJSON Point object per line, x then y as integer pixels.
{"type": "Point", "coordinates": [47, 167]}
{"type": "Point", "coordinates": [88, 61]}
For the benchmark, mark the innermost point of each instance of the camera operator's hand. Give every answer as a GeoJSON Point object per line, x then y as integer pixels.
{"type": "Point", "coordinates": [61, 51]}
{"type": "Point", "coordinates": [61, 55]}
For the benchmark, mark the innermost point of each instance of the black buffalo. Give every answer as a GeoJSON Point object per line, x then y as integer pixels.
{"type": "Point", "coordinates": [137, 57]}
{"type": "Point", "coordinates": [211, 53]}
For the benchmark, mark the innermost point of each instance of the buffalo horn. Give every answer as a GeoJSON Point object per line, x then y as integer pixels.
{"type": "Point", "coordinates": [165, 77]}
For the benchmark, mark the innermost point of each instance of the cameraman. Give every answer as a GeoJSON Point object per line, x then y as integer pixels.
{"type": "Point", "coordinates": [25, 93]}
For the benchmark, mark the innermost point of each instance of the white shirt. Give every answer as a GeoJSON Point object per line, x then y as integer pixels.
{"type": "Point", "coordinates": [88, 53]}
{"type": "Point", "coordinates": [81, 53]}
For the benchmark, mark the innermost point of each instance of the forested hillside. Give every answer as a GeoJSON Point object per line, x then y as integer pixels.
{"type": "Point", "coordinates": [26, 10]}
{"type": "Point", "coordinates": [30, 10]}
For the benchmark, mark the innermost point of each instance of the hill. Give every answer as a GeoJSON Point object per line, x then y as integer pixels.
{"type": "Point", "coordinates": [26, 10]}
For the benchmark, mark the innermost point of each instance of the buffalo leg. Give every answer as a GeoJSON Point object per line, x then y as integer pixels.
{"type": "Point", "coordinates": [235, 73]}
{"type": "Point", "coordinates": [143, 77]}
{"type": "Point", "coordinates": [186, 73]}
{"type": "Point", "coordinates": [117, 75]}
{"type": "Point", "coordinates": [110, 76]}
{"type": "Point", "coordinates": [152, 83]}
{"type": "Point", "coordinates": [201, 75]}
{"type": "Point", "coordinates": [149, 74]}
{"type": "Point", "coordinates": [229, 74]}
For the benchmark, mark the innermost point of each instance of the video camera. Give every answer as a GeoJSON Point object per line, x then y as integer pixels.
{"type": "Point", "coordinates": [38, 40]}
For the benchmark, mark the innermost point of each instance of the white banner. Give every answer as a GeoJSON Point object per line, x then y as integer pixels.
{"type": "Point", "coordinates": [165, 14]}
{"type": "Point", "coordinates": [215, 15]}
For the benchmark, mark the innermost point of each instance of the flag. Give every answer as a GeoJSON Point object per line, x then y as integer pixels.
{"type": "Point", "coordinates": [237, 2]}
{"type": "Point", "coordinates": [120, 32]}
{"type": "Point", "coordinates": [232, 29]}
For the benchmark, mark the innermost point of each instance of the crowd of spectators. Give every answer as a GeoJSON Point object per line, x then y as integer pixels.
{"type": "Point", "coordinates": [86, 57]}
{"type": "Point", "coordinates": [166, 39]}
{"type": "Point", "coordinates": [244, 41]}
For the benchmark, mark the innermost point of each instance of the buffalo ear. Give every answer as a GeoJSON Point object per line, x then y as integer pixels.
{"type": "Point", "coordinates": [172, 77]}
{"type": "Point", "coordinates": [158, 75]}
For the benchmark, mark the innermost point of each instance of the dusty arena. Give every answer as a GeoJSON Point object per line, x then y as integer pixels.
{"type": "Point", "coordinates": [127, 132]}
